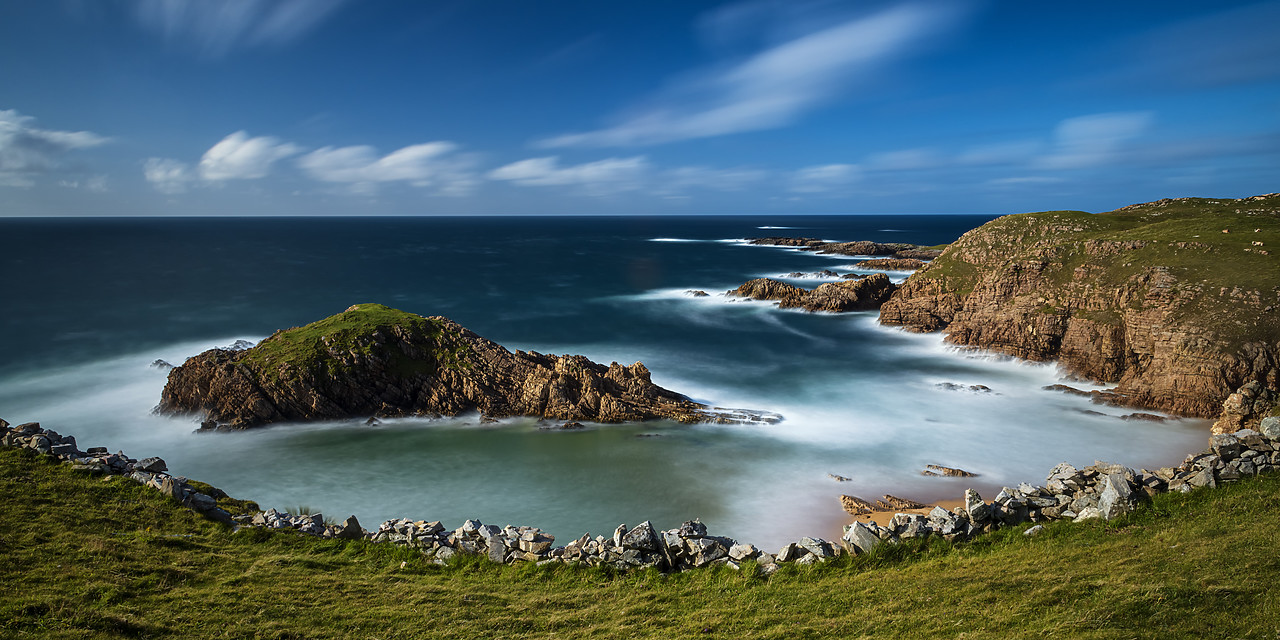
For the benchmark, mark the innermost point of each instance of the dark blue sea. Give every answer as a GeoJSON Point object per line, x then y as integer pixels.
{"type": "Point", "coordinates": [89, 304]}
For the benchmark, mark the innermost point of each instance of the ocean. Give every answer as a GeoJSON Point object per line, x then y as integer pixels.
{"type": "Point", "coordinates": [90, 304]}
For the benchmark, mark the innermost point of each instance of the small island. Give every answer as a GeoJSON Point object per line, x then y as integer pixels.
{"type": "Point", "coordinates": [375, 361]}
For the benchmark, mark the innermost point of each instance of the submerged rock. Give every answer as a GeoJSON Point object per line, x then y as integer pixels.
{"type": "Point", "coordinates": [374, 360]}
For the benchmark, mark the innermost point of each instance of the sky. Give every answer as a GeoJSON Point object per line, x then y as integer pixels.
{"type": "Point", "coordinates": [387, 107]}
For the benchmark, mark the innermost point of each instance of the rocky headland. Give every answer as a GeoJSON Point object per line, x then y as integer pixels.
{"type": "Point", "coordinates": [1177, 301]}
{"type": "Point", "coordinates": [374, 361]}
{"type": "Point", "coordinates": [861, 293]}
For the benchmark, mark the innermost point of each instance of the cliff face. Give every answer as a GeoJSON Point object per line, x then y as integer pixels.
{"type": "Point", "coordinates": [1178, 301]}
{"type": "Point", "coordinates": [372, 360]}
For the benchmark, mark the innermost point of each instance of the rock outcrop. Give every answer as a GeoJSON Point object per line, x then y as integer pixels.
{"type": "Point", "coordinates": [855, 248]}
{"type": "Point", "coordinates": [860, 294]}
{"type": "Point", "coordinates": [1154, 297]}
{"type": "Point", "coordinates": [372, 360]}
{"type": "Point", "coordinates": [893, 264]}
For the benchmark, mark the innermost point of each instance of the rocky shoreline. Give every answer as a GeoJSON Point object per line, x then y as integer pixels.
{"type": "Point", "coordinates": [1102, 490]}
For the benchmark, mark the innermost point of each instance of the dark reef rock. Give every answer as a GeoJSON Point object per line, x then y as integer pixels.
{"type": "Point", "coordinates": [374, 360]}
{"type": "Point", "coordinates": [861, 294]}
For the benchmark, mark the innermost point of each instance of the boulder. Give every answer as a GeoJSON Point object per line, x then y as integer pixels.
{"type": "Point", "coordinates": [859, 538]}
{"type": "Point", "coordinates": [1116, 498]}
{"type": "Point", "coordinates": [350, 529]}
{"type": "Point", "coordinates": [152, 465]}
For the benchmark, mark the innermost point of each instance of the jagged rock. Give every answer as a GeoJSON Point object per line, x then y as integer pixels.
{"type": "Point", "coordinates": [1034, 531]}
{"type": "Point", "coordinates": [696, 293]}
{"type": "Point", "coordinates": [949, 472]}
{"type": "Point", "coordinates": [742, 552]}
{"type": "Point", "coordinates": [153, 465]}
{"type": "Point", "coordinates": [642, 538]}
{"type": "Point", "coordinates": [848, 295]}
{"type": "Point", "coordinates": [1116, 498]}
{"type": "Point", "coordinates": [894, 502]}
{"type": "Point", "coordinates": [1245, 408]}
{"type": "Point", "coordinates": [350, 529]}
{"type": "Point", "coordinates": [855, 506]}
{"type": "Point", "coordinates": [838, 478]}
{"type": "Point", "coordinates": [1088, 513]}
{"type": "Point", "coordinates": [373, 360]}
{"type": "Point", "coordinates": [859, 538]}
{"type": "Point", "coordinates": [161, 365]}
{"type": "Point", "coordinates": [978, 510]}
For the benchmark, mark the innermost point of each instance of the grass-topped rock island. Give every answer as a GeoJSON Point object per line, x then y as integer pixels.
{"type": "Point", "coordinates": [375, 361]}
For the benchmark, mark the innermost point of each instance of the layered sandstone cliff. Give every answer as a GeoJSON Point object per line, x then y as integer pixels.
{"type": "Point", "coordinates": [372, 360]}
{"type": "Point", "coordinates": [1177, 301]}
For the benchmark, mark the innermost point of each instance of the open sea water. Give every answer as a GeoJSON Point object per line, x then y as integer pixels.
{"type": "Point", "coordinates": [89, 304]}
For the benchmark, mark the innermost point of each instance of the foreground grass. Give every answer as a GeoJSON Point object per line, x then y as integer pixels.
{"type": "Point", "coordinates": [86, 558]}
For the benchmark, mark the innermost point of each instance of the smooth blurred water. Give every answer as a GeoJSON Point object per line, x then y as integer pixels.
{"type": "Point", "coordinates": [90, 303]}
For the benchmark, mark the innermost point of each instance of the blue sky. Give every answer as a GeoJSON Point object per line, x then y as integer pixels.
{"type": "Point", "coordinates": [328, 107]}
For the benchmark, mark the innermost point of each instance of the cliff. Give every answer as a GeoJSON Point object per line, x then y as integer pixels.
{"type": "Point", "coordinates": [1177, 301]}
{"type": "Point", "coordinates": [371, 360]}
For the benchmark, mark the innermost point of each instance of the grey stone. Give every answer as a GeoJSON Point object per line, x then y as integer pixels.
{"type": "Point", "coordinates": [350, 529]}
{"type": "Point", "coordinates": [979, 511]}
{"type": "Point", "coordinates": [618, 535]}
{"type": "Point", "coordinates": [790, 552]}
{"type": "Point", "coordinates": [201, 502]}
{"type": "Point", "coordinates": [859, 538]}
{"type": "Point", "coordinates": [1034, 531]}
{"type": "Point", "coordinates": [1117, 498]}
{"type": "Point", "coordinates": [641, 537]}
{"type": "Point", "coordinates": [1088, 513]}
{"type": "Point", "coordinates": [1203, 479]}
{"type": "Point", "coordinates": [742, 552]}
{"type": "Point", "coordinates": [497, 553]}
{"type": "Point", "coordinates": [1225, 445]}
{"type": "Point", "coordinates": [154, 465]}
{"type": "Point", "coordinates": [1270, 427]}
{"type": "Point", "coordinates": [816, 546]}
{"type": "Point", "coordinates": [470, 527]}
{"type": "Point", "coordinates": [693, 529]}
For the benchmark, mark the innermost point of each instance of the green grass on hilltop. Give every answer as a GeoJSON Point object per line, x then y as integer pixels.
{"type": "Point", "coordinates": [83, 557]}
{"type": "Point", "coordinates": [309, 348]}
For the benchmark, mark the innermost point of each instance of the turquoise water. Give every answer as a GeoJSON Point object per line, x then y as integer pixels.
{"type": "Point", "coordinates": [92, 302]}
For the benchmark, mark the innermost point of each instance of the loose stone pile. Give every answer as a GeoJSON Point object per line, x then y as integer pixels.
{"type": "Point", "coordinates": [1101, 490]}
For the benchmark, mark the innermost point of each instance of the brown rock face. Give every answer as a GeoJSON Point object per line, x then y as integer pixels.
{"type": "Point", "coordinates": [855, 248]}
{"type": "Point", "coordinates": [1122, 297]}
{"type": "Point", "coordinates": [376, 361]}
{"type": "Point", "coordinates": [862, 294]}
{"type": "Point", "coordinates": [893, 264]}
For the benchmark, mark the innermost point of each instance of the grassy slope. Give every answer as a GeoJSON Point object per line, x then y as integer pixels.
{"type": "Point", "coordinates": [1229, 261]}
{"type": "Point", "coordinates": [84, 558]}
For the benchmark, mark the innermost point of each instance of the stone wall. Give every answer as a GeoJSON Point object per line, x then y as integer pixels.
{"type": "Point", "coordinates": [1102, 490]}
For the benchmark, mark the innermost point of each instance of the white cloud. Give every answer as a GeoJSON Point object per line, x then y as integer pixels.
{"type": "Point", "coordinates": [602, 177]}
{"type": "Point", "coordinates": [1094, 140]}
{"type": "Point", "coordinates": [216, 27]}
{"type": "Point", "coordinates": [905, 160]}
{"type": "Point", "coordinates": [776, 85]}
{"type": "Point", "coordinates": [26, 151]}
{"type": "Point", "coordinates": [685, 178]}
{"type": "Point", "coordinates": [96, 184]}
{"type": "Point", "coordinates": [239, 157]}
{"type": "Point", "coordinates": [1024, 180]}
{"type": "Point", "coordinates": [167, 175]}
{"type": "Point", "coordinates": [825, 178]}
{"type": "Point", "coordinates": [421, 165]}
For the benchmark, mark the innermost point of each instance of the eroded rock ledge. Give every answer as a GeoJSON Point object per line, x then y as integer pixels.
{"type": "Point", "coordinates": [1177, 301]}
{"type": "Point", "coordinates": [855, 294]}
{"type": "Point", "coordinates": [371, 360]}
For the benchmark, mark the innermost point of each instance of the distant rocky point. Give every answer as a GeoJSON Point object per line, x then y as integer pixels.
{"type": "Point", "coordinates": [372, 360]}
{"type": "Point", "coordinates": [856, 248]}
